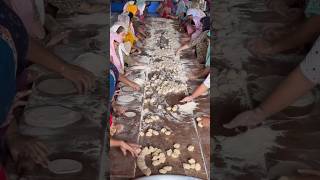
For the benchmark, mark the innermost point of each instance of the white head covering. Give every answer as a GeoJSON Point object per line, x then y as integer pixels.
{"type": "Point", "coordinates": [124, 18]}
{"type": "Point", "coordinates": [196, 12]}
{"type": "Point", "coordinates": [116, 26]}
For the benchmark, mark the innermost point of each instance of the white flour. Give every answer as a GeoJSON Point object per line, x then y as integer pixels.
{"type": "Point", "coordinates": [188, 108]}
{"type": "Point", "coordinates": [250, 147]}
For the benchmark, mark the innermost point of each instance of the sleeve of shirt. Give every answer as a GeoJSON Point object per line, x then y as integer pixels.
{"type": "Point", "coordinates": [207, 82]}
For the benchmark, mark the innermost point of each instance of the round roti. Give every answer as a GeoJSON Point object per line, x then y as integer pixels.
{"type": "Point", "coordinates": [64, 166]}
{"type": "Point", "coordinates": [51, 117]}
{"type": "Point", "coordinates": [57, 87]}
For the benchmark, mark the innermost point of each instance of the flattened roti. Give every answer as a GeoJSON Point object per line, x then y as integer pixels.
{"type": "Point", "coordinates": [51, 117]}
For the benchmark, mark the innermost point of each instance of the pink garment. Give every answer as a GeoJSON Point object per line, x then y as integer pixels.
{"type": "Point", "coordinates": [115, 59]}
{"type": "Point", "coordinates": [190, 29]}
{"type": "Point", "coordinates": [26, 11]}
{"type": "Point", "coordinates": [198, 27]}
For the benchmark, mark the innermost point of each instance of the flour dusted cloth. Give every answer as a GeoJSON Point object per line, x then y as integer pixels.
{"type": "Point", "coordinates": [310, 66]}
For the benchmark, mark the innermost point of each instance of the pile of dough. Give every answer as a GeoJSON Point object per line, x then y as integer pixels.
{"type": "Point", "coordinates": [152, 132]}
{"type": "Point", "coordinates": [165, 131]}
{"type": "Point", "coordinates": [192, 164]}
{"type": "Point", "coordinates": [175, 153]}
{"type": "Point", "coordinates": [191, 148]}
{"type": "Point", "coordinates": [165, 169]}
{"type": "Point", "coordinates": [173, 108]}
{"type": "Point", "coordinates": [152, 119]}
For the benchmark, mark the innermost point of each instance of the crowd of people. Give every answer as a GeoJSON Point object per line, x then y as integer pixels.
{"type": "Point", "coordinates": [127, 37]}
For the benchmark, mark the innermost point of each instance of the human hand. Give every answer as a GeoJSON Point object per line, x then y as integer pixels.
{"type": "Point", "coordinates": [134, 149]}
{"type": "Point", "coordinates": [28, 147]}
{"type": "Point", "coordinates": [187, 99]}
{"type": "Point", "coordinates": [249, 119]}
{"type": "Point", "coordinates": [17, 102]}
{"type": "Point", "coordinates": [135, 86]}
{"type": "Point", "coordinates": [120, 109]}
{"type": "Point", "coordinates": [260, 47]}
{"type": "Point", "coordinates": [83, 79]}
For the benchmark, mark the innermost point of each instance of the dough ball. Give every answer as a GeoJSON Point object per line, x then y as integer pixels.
{"type": "Point", "coordinates": [154, 158]}
{"type": "Point", "coordinates": [177, 151]}
{"type": "Point", "coordinates": [175, 155]}
{"type": "Point", "coordinates": [186, 166]}
{"type": "Point", "coordinates": [191, 148]}
{"type": "Point", "coordinates": [162, 155]}
{"type": "Point", "coordinates": [167, 133]}
{"type": "Point", "coordinates": [192, 166]}
{"type": "Point", "coordinates": [197, 167]}
{"type": "Point", "coordinates": [149, 134]}
{"type": "Point", "coordinates": [160, 107]}
{"type": "Point", "coordinates": [169, 152]}
{"type": "Point", "coordinates": [162, 171]}
{"type": "Point", "coordinates": [156, 163]}
{"type": "Point", "coordinates": [200, 124]}
{"type": "Point", "coordinates": [150, 130]}
{"type": "Point", "coordinates": [174, 109]}
{"type": "Point", "coordinates": [177, 146]}
{"type": "Point", "coordinates": [163, 130]}
{"type": "Point", "coordinates": [167, 168]}
{"type": "Point", "coordinates": [168, 108]}
{"type": "Point", "coordinates": [141, 134]}
{"type": "Point", "coordinates": [198, 119]}
{"type": "Point", "coordinates": [162, 160]}
{"type": "Point", "coordinates": [192, 161]}
{"type": "Point", "coordinates": [156, 133]}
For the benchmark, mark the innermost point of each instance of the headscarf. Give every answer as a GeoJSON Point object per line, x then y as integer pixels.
{"type": "Point", "coordinates": [196, 12]}
{"type": "Point", "coordinates": [125, 19]}
{"type": "Point", "coordinates": [133, 9]}
{"type": "Point", "coordinates": [141, 4]}
{"type": "Point", "coordinates": [115, 37]}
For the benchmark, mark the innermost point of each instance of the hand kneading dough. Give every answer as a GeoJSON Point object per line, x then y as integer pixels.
{"type": "Point", "coordinates": [57, 87]}
{"type": "Point", "coordinates": [51, 116]}
{"type": "Point", "coordinates": [64, 166]}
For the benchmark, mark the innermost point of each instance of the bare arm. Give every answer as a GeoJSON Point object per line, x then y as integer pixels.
{"type": "Point", "coordinates": [308, 32]}
{"type": "Point", "coordinates": [83, 79]}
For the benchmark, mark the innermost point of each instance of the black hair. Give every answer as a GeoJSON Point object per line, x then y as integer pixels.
{"type": "Point", "coordinates": [130, 15]}
{"type": "Point", "coordinates": [120, 29]}
{"type": "Point", "coordinates": [205, 23]}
